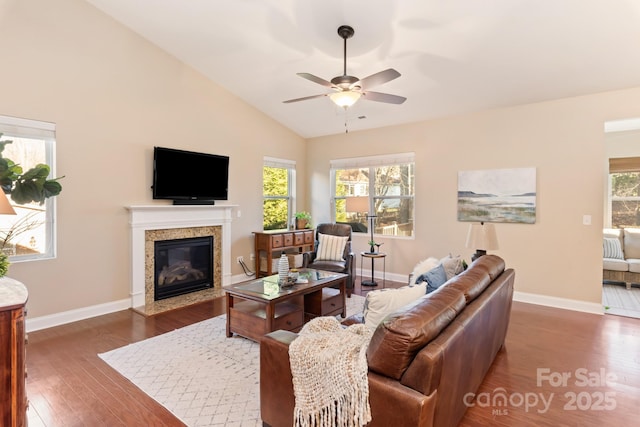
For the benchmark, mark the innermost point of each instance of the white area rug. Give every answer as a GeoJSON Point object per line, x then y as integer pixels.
{"type": "Point", "coordinates": [200, 375]}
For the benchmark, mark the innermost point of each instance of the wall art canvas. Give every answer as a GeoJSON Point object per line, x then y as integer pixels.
{"type": "Point", "coordinates": [497, 195]}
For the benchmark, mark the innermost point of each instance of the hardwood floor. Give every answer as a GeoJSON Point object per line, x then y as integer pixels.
{"type": "Point", "coordinates": [69, 385]}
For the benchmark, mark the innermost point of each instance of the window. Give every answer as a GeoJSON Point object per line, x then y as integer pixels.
{"type": "Point", "coordinates": [388, 184]}
{"type": "Point", "coordinates": [278, 190]}
{"type": "Point", "coordinates": [624, 192]}
{"type": "Point", "coordinates": [30, 234]}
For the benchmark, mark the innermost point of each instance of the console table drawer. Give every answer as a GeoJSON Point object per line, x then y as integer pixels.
{"type": "Point", "coordinates": [276, 241]}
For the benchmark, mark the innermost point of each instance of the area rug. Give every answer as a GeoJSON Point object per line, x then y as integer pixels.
{"type": "Point", "coordinates": [198, 374]}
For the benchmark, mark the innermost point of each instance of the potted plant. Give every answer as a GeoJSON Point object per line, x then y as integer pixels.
{"type": "Point", "coordinates": [303, 220]}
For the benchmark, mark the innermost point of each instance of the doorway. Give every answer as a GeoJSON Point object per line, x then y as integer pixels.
{"type": "Point", "coordinates": [620, 296]}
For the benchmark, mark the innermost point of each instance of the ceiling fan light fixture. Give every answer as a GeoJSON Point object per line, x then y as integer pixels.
{"type": "Point", "coordinates": [345, 98]}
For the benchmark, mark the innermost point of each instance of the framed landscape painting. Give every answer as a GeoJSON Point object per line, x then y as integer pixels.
{"type": "Point", "coordinates": [497, 195]}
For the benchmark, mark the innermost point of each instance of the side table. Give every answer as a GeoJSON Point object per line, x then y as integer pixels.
{"type": "Point", "coordinates": [373, 256]}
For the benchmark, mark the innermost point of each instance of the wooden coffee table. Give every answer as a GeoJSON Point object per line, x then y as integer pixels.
{"type": "Point", "coordinates": [260, 306]}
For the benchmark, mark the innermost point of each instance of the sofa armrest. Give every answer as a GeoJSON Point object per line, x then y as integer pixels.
{"type": "Point", "coordinates": [277, 400]}
{"type": "Point", "coordinates": [307, 258]}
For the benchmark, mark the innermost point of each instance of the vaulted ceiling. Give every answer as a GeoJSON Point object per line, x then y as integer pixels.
{"type": "Point", "coordinates": [454, 56]}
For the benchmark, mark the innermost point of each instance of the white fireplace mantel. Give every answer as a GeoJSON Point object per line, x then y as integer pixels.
{"type": "Point", "coordinates": [162, 217]}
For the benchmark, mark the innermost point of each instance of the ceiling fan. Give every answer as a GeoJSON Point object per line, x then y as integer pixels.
{"type": "Point", "coordinates": [348, 89]}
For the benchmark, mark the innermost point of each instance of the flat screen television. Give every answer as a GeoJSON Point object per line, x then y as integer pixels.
{"type": "Point", "coordinates": [188, 177]}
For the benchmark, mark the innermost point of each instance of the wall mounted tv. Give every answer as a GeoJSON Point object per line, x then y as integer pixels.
{"type": "Point", "coordinates": [189, 178]}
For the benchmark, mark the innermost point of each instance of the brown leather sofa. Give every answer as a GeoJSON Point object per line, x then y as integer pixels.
{"type": "Point", "coordinates": [423, 359]}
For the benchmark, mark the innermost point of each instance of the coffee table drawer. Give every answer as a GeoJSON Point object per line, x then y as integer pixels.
{"type": "Point", "coordinates": [290, 322]}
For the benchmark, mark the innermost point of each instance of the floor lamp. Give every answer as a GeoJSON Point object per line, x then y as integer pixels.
{"type": "Point", "coordinates": [360, 204]}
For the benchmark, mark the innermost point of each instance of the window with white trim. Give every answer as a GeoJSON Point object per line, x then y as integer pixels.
{"type": "Point", "coordinates": [30, 234]}
{"type": "Point", "coordinates": [624, 192]}
{"type": "Point", "coordinates": [278, 193]}
{"type": "Point", "coordinates": [386, 183]}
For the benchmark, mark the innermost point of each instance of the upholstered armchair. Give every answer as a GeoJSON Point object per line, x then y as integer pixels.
{"type": "Point", "coordinates": [332, 252]}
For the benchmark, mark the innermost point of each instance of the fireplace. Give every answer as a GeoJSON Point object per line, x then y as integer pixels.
{"type": "Point", "coordinates": [168, 222]}
{"type": "Point", "coordinates": [182, 266]}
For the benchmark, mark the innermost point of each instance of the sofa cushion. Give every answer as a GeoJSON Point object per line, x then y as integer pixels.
{"type": "Point", "coordinates": [492, 264]}
{"type": "Point", "coordinates": [402, 334]}
{"type": "Point", "coordinates": [615, 264]}
{"type": "Point", "coordinates": [611, 248]}
{"type": "Point", "coordinates": [634, 265]}
{"type": "Point", "coordinates": [632, 243]}
{"type": "Point", "coordinates": [331, 248]}
{"type": "Point", "coordinates": [471, 283]}
{"type": "Point", "coordinates": [380, 303]}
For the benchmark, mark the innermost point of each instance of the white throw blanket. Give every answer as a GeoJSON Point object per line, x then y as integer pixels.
{"type": "Point", "coordinates": [329, 368]}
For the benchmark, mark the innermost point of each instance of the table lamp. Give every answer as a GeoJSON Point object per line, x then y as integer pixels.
{"type": "Point", "coordinates": [482, 237]}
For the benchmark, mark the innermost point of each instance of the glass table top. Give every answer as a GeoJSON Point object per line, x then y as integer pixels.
{"type": "Point", "coordinates": [270, 288]}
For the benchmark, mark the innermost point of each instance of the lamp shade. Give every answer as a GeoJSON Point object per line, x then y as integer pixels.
{"type": "Point", "coordinates": [5, 206]}
{"type": "Point", "coordinates": [345, 98]}
{"type": "Point", "coordinates": [482, 236]}
{"type": "Point", "coordinates": [357, 204]}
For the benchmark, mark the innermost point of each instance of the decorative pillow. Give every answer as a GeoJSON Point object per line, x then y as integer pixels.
{"type": "Point", "coordinates": [611, 248]}
{"type": "Point", "coordinates": [435, 278]}
{"type": "Point", "coordinates": [330, 247]}
{"type": "Point", "coordinates": [422, 267]}
{"type": "Point", "coordinates": [452, 265]}
{"type": "Point", "coordinates": [382, 302]}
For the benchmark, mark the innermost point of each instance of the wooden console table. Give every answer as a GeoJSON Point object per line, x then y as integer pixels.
{"type": "Point", "coordinates": [268, 243]}
{"type": "Point", "coordinates": [13, 396]}
{"type": "Point", "coordinates": [260, 306]}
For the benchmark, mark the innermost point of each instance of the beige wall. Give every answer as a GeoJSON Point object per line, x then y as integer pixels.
{"type": "Point", "coordinates": [113, 97]}
{"type": "Point", "coordinates": [557, 256]}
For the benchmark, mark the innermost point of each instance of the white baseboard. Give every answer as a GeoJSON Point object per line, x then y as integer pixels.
{"type": "Point", "coordinates": [57, 319]}
{"type": "Point", "coordinates": [565, 303]}
{"type": "Point", "coordinates": [64, 317]}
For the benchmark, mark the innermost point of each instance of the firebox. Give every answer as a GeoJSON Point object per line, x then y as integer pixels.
{"type": "Point", "coordinates": [182, 266]}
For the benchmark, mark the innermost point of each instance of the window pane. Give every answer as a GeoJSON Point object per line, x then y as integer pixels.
{"type": "Point", "coordinates": [26, 232]}
{"type": "Point", "coordinates": [625, 213]}
{"type": "Point", "coordinates": [625, 184]}
{"type": "Point", "coordinates": [394, 214]}
{"type": "Point", "coordinates": [625, 203]}
{"type": "Point", "coordinates": [275, 181]}
{"type": "Point", "coordinates": [275, 214]}
{"type": "Point", "coordinates": [351, 183]}
{"type": "Point", "coordinates": [394, 180]}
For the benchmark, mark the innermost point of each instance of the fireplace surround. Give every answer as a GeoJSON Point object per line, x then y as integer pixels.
{"type": "Point", "coordinates": [151, 223]}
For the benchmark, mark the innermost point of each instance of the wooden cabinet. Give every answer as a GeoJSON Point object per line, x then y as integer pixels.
{"type": "Point", "coordinates": [13, 396]}
{"type": "Point", "coordinates": [269, 245]}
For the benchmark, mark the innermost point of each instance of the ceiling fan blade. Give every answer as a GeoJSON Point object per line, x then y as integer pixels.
{"type": "Point", "coordinates": [316, 79]}
{"type": "Point", "coordinates": [304, 98]}
{"type": "Point", "coordinates": [379, 78]}
{"type": "Point", "coordinates": [384, 97]}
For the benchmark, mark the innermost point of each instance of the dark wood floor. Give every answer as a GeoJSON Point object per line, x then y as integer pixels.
{"type": "Point", "coordinates": [68, 385]}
